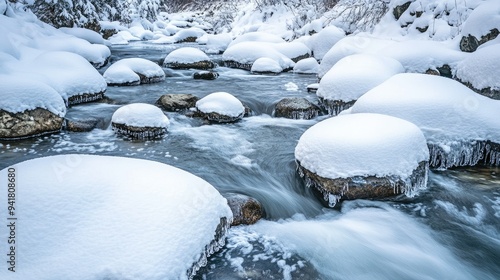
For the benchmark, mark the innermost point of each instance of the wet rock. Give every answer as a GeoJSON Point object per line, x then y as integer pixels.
{"type": "Point", "coordinates": [83, 125]}
{"type": "Point", "coordinates": [140, 121]}
{"type": "Point", "coordinates": [107, 33]}
{"type": "Point", "coordinates": [361, 187]}
{"type": "Point", "coordinates": [29, 123]}
{"type": "Point", "coordinates": [399, 10]}
{"type": "Point", "coordinates": [85, 98]}
{"type": "Point", "coordinates": [246, 210]}
{"type": "Point", "coordinates": [444, 71]}
{"type": "Point", "coordinates": [312, 88]}
{"type": "Point", "coordinates": [248, 111]}
{"type": "Point", "coordinates": [190, 39]}
{"type": "Point", "coordinates": [139, 132]}
{"type": "Point", "coordinates": [203, 65]}
{"type": "Point", "coordinates": [422, 29]}
{"type": "Point", "coordinates": [334, 107]}
{"type": "Point", "coordinates": [237, 65]}
{"type": "Point", "coordinates": [205, 75]}
{"type": "Point", "coordinates": [470, 43]}
{"type": "Point", "coordinates": [300, 57]}
{"type": "Point", "coordinates": [176, 102]}
{"type": "Point", "coordinates": [296, 108]}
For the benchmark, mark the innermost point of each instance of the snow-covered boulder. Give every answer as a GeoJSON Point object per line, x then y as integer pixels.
{"type": "Point", "coordinates": [122, 37]}
{"type": "Point", "coordinates": [70, 75]}
{"type": "Point", "coordinates": [257, 37]}
{"type": "Point", "coordinates": [313, 88]}
{"type": "Point", "coordinates": [266, 65]}
{"type": "Point", "coordinates": [220, 107]}
{"type": "Point", "coordinates": [296, 108]}
{"type": "Point", "coordinates": [140, 121]}
{"type": "Point", "coordinates": [188, 57]}
{"type": "Point", "coordinates": [176, 102]}
{"type": "Point", "coordinates": [461, 126]}
{"type": "Point", "coordinates": [293, 50]}
{"type": "Point", "coordinates": [363, 156]}
{"type": "Point", "coordinates": [85, 34]}
{"type": "Point", "coordinates": [215, 44]}
{"type": "Point", "coordinates": [352, 77]}
{"type": "Point", "coordinates": [323, 41]}
{"type": "Point", "coordinates": [482, 25]}
{"type": "Point", "coordinates": [480, 71]}
{"type": "Point", "coordinates": [244, 54]}
{"type": "Point", "coordinates": [306, 66]}
{"type": "Point", "coordinates": [133, 71]}
{"type": "Point", "coordinates": [189, 35]}
{"type": "Point", "coordinates": [103, 217]}
{"type": "Point", "coordinates": [28, 108]}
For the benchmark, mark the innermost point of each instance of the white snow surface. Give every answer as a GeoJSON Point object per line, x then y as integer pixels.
{"type": "Point", "coordinates": [266, 64]}
{"type": "Point", "coordinates": [18, 94]}
{"type": "Point", "coordinates": [445, 110]}
{"type": "Point", "coordinates": [127, 70]}
{"type": "Point", "coordinates": [483, 19]}
{"type": "Point", "coordinates": [222, 103]}
{"type": "Point", "coordinates": [140, 115]}
{"type": "Point", "coordinates": [186, 55]}
{"type": "Point", "coordinates": [354, 75]}
{"type": "Point", "coordinates": [306, 66]}
{"type": "Point", "coordinates": [248, 52]}
{"type": "Point", "coordinates": [257, 37]}
{"type": "Point", "coordinates": [122, 38]}
{"type": "Point", "coordinates": [362, 145]}
{"type": "Point", "coordinates": [292, 50]}
{"type": "Point", "coordinates": [215, 43]}
{"type": "Point", "coordinates": [183, 34]}
{"type": "Point", "coordinates": [83, 33]}
{"type": "Point", "coordinates": [323, 41]}
{"type": "Point", "coordinates": [94, 217]}
{"type": "Point", "coordinates": [480, 68]}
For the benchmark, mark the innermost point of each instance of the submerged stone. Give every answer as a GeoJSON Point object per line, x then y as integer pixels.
{"type": "Point", "coordinates": [205, 75]}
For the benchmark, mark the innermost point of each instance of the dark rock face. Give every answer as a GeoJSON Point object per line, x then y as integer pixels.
{"type": "Point", "coordinates": [107, 33]}
{"type": "Point", "coordinates": [300, 57]}
{"type": "Point", "coordinates": [139, 133]}
{"type": "Point", "coordinates": [83, 125]}
{"type": "Point", "coordinates": [205, 75]}
{"type": "Point", "coordinates": [176, 102]}
{"type": "Point", "coordinates": [470, 43]}
{"type": "Point", "coordinates": [143, 79]}
{"type": "Point", "coordinates": [188, 40]}
{"type": "Point", "coordinates": [362, 187]}
{"type": "Point", "coordinates": [443, 71]}
{"type": "Point", "coordinates": [246, 210]}
{"type": "Point", "coordinates": [312, 88]}
{"type": "Point", "coordinates": [488, 92]}
{"type": "Point", "coordinates": [202, 65]}
{"type": "Point", "coordinates": [296, 108]}
{"type": "Point", "coordinates": [399, 10]}
{"type": "Point", "coordinates": [29, 123]}
{"type": "Point", "coordinates": [213, 117]}
{"type": "Point", "coordinates": [465, 154]}
{"type": "Point", "coordinates": [85, 98]}
{"type": "Point", "coordinates": [334, 107]}
{"type": "Point", "coordinates": [237, 65]}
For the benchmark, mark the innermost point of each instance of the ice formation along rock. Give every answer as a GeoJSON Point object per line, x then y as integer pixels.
{"type": "Point", "coordinates": [130, 218]}
{"type": "Point", "coordinates": [140, 121]}
{"type": "Point", "coordinates": [363, 156]}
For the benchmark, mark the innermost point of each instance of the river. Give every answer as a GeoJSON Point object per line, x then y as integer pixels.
{"type": "Point", "coordinates": [451, 230]}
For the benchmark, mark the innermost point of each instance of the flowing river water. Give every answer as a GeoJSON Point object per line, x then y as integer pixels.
{"type": "Point", "coordinates": [451, 230]}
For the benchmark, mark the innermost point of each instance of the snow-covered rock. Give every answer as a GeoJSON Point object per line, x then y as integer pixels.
{"type": "Point", "coordinates": [188, 35]}
{"type": "Point", "coordinates": [244, 54]}
{"type": "Point", "coordinates": [71, 75]}
{"type": "Point", "coordinates": [122, 38]}
{"type": "Point", "coordinates": [363, 156]}
{"type": "Point", "coordinates": [220, 107]}
{"type": "Point", "coordinates": [217, 43]}
{"type": "Point", "coordinates": [103, 217]}
{"type": "Point", "coordinates": [323, 41]}
{"type": "Point", "coordinates": [133, 71]}
{"type": "Point", "coordinates": [296, 108]}
{"type": "Point", "coordinates": [28, 107]}
{"type": "Point", "coordinates": [293, 50]}
{"type": "Point", "coordinates": [257, 37]}
{"type": "Point", "coordinates": [306, 66]}
{"type": "Point", "coordinates": [461, 126]}
{"type": "Point", "coordinates": [266, 65]}
{"type": "Point", "coordinates": [205, 75]}
{"type": "Point", "coordinates": [188, 57]}
{"type": "Point", "coordinates": [140, 121]}
{"type": "Point", "coordinates": [85, 34]}
{"type": "Point", "coordinates": [480, 71]}
{"type": "Point", "coordinates": [482, 25]}
{"type": "Point", "coordinates": [352, 77]}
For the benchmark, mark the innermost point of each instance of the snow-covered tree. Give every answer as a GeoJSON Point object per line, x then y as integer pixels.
{"type": "Point", "coordinates": [67, 13]}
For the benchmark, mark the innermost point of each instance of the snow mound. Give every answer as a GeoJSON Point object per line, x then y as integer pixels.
{"type": "Point", "coordinates": [186, 55]}
{"type": "Point", "coordinates": [123, 37]}
{"type": "Point", "coordinates": [215, 43]}
{"type": "Point", "coordinates": [140, 115]}
{"type": "Point", "coordinates": [483, 19]}
{"type": "Point", "coordinates": [19, 93]}
{"type": "Point", "coordinates": [266, 65]}
{"type": "Point", "coordinates": [85, 34]}
{"type": "Point", "coordinates": [245, 54]}
{"type": "Point", "coordinates": [133, 71]}
{"type": "Point", "coordinates": [306, 66]}
{"type": "Point", "coordinates": [323, 41]}
{"type": "Point", "coordinates": [188, 35]}
{"type": "Point", "coordinates": [222, 103]}
{"type": "Point", "coordinates": [113, 224]}
{"type": "Point", "coordinates": [293, 50]}
{"type": "Point", "coordinates": [480, 68]}
{"type": "Point", "coordinates": [139, 32]}
{"type": "Point", "coordinates": [350, 45]}
{"type": "Point", "coordinates": [257, 37]}
{"type": "Point", "coordinates": [354, 75]}
{"type": "Point", "coordinates": [70, 74]}
{"type": "Point", "coordinates": [362, 145]}
{"type": "Point", "coordinates": [452, 116]}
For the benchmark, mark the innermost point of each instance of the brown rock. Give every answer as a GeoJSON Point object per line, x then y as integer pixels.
{"type": "Point", "coordinates": [140, 133]}
{"type": "Point", "coordinates": [176, 102]}
{"type": "Point", "coordinates": [246, 210]}
{"type": "Point", "coordinates": [29, 123]}
{"type": "Point", "coordinates": [296, 108]}
{"type": "Point", "coordinates": [203, 65]}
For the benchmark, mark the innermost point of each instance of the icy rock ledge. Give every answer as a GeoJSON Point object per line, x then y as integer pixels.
{"type": "Point", "coordinates": [140, 121]}
{"type": "Point", "coordinates": [296, 108]}
{"type": "Point", "coordinates": [132, 217]}
{"type": "Point", "coordinates": [133, 71]}
{"type": "Point", "coordinates": [188, 57]}
{"type": "Point", "coordinates": [363, 156]}
{"type": "Point", "coordinates": [220, 107]}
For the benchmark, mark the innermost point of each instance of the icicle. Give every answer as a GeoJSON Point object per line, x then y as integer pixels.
{"type": "Point", "coordinates": [462, 153]}
{"type": "Point", "coordinates": [85, 98]}
{"type": "Point", "coordinates": [334, 107]}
